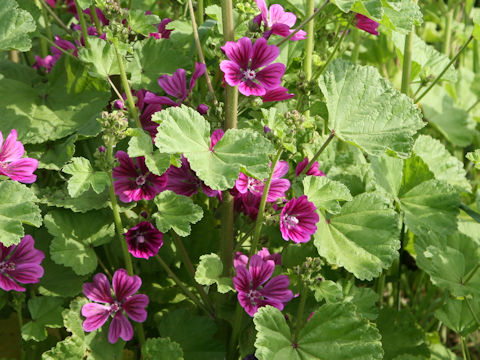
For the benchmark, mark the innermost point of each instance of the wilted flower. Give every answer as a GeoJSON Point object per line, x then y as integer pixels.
{"type": "Point", "coordinates": [298, 220]}
{"type": "Point", "coordinates": [20, 263]}
{"type": "Point", "coordinates": [124, 286]}
{"type": "Point", "coordinates": [144, 240]}
{"type": "Point", "coordinates": [243, 68]}
{"type": "Point", "coordinates": [314, 170]}
{"type": "Point", "coordinates": [367, 24]}
{"type": "Point", "coordinates": [11, 162]}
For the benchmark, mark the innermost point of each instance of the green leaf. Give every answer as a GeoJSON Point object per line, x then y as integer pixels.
{"type": "Point", "coordinates": [53, 156]}
{"type": "Point", "coordinates": [140, 144]}
{"type": "Point", "coordinates": [327, 290]}
{"type": "Point", "coordinates": [183, 130]}
{"type": "Point", "coordinates": [388, 173]}
{"type": "Point", "coordinates": [335, 332]}
{"type": "Point", "coordinates": [176, 212]}
{"type": "Point", "coordinates": [476, 25]}
{"type": "Point", "coordinates": [101, 55]}
{"type": "Point", "coordinates": [15, 24]}
{"type": "Point", "coordinates": [45, 312]}
{"type": "Point", "coordinates": [141, 23]}
{"type": "Point", "coordinates": [474, 157]}
{"type": "Point", "coordinates": [202, 346]}
{"type": "Point", "coordinates": [401, 15]}
{"type": "Point", "coordinates": [374, 116]}
{"type": "Point", "coordinates": [441, 163]}
{"type": "Point", "coordinates": [75, 235]}
{"type": "Point", "coordinates": [85, 3]}
{"type": "Point", "coordinates": [165, 349]}
{"type": "Point", "coordinates": [456, 315]}
{"type": "Point", "coordinates": [209, 272]}
{"type": "Point", "coordinates": [59, 280]}
{"type": "Point", "coordinates": [363, 298]}
{"type": "Point", "coordinates": [83, 176]}
{"type": "Point", "coordinates": [325, 193]}
{"type": "Point", "coordinates": [17, 207]}
{"type": "Point", "coordinates": [146, 67]}
{"type": "Point", "coordinates": [401, 335]}
{"type": "Point", "coordinates": [449, 261]}
{"type": "Point", "coordinates": [363, 238]}
{"type": "Point", "coordinates": [370, 8]}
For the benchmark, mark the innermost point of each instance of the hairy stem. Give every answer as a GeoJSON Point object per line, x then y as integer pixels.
{"type": "Point", "coordinates": [448, 32]}
{"type": "Point", "coordinates": [83, 24]}
{"type": "Point", "coordinates": [407, 62]}
{"type": "Point", "coordinates": [200, 12]}
{"type": "Point", "coordinates": [98, 25]}
{"type": "Point", "coordinates": [465, 352]}
{"type": "Point", "coordinates": [317, 154]}
{"type": "Point", "coordinates": [472, 213]}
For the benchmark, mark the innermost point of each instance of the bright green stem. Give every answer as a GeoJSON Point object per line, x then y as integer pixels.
{"type": "Point", "coordinates": [472, 213]}
{"type": "Point", "coordinates": [465, 352]}
{"type": "Point", "coordinates": [471, 274]}
{"type": "Point", "coordinates": [473, 105]}
{"type": "Point", "coordinates": [47, 40]}
{"type": "Point", "coordinates": [300, 311]}
{"type": "Point", "coordinates": [356, 46]}
{"type": "Point", "coordinates": [310, 41]}
{"type": "Point", "coordinates": [83, 24]}
{"type": "Point", "coordinates": [116, 216]}
{"type": "Point", "coordinates": [181, 285]}
{"type": "Point", "coordinates": [126, 87]}
{"type": "Point", "coordinates": [399, 275]}
{"type": "Point", "coordinates": [448, 33]}
{"type": "Point", "coordinates": [437, 79]}
{"type": "Point", "coordinates": [237, 325]}
{"type": "Point", "coordinates": [380, 288]}
{"type": "Point", "coordinates": [227, 236]}
{"type": "Point", "coordinates": [130, 2]}
{"type": "Point", "coordinates": [200, 12]}
{"type": "Point", "coordinates": [261, 209]}
{"type": "Point", "coordinates": [47, 23]}
{"type": "Point", "coordinates": [191, 270]}
{"type": "Point", "coordinates": [476, 57]}
{"type": "Point", "coordinates": [407, 61]}
{"type": "Point", "coordinates": [317, 154]}
{"type": "Point", "coordinates": [477, 320]}
{"type": "Point", "coordinates": [98, 25]}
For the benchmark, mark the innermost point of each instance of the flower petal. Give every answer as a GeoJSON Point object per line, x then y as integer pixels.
{"type": "Point", "coordinates": [246, 303]}
{"type": "Point", "coordinates": [126, 168]}
{"type": "Point", "coordinates": [249, 87]}
{"type": "Point", "coordinates": [175, 85]}
{"type": "Point", "coordinates": [233, 73]}
{"type": "Point", "coordinates": [199, 71]}
{"type": "Point", "coordinates": [21, 170]}
{"type": "Point", "coordinates": [271, 76]}
{"type": "Point", "coordinates": [260, 270]}
{"type": "Point", "coordinates": [241, 282]}
{"type": "Point", "coordinates": [135, 307]}
{"type": "Point", "coordinates": [8, 284]}
{"type": "Point", "coordinates": [239, 52]}
{"type": "Point", "coordinates": [263, 9]}
{"type": "Point", "coordinates": [11, 149]}
{"type": "Point", "coordinates": [120, 327]}
{"type": "Point", "coordinates": [125, 285]}
{"type": "Point", "coordinates": [96, 315]}
{"type": "Point", "coordinates": [26, 273]}
{"type": "Point", "coordinates": [277, 289]}
{"type": "Point", "coordinates": [26, 253]}
{"type": "Point", "coordinates": [279, 16]}
{"type": "Point", "coordinates": [98, 290]}
{"type": "Point", "coordinates": [263, 54]}
{"type": "Point", "coordinates": [277, 94]}
{"type": "Point", "coordinates": [151, 98]}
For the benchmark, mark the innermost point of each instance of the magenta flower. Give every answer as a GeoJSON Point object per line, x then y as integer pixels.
{"type": "Point", "coordinates": [252, 293]}
{"type": "Point", "coordinates": [278, 22]}
{"type": "Point", "coordinates": [314, 170]}
{"type": "Point", "coordinates": [46, 62]}
{"type": "Point", "coordinates": [11, 162]}
{"type": "Point", "coordinates": [367, 24]}
{"type": "Point", "coordinates": [245, 61]}
{"type": "Point", "coordinates": [65, 45]}
{"type": "Point", "coordinates": [246, 203]}
{"type": "Point", "coordinates": [277, 94]}
{"type": "Point", "coordinates": [278, 186]}
{"type": "Point", "coordinates": [202, 109]}
{"type": "Point", "coordinates": [242, 259]}
{"type": "Point", "coordinates": [124, 286]}
{"type": "Point", "coordinates": [298, 220]}
{"type": "Point", "coordinates": [20, 263]}
{"type": "Point", "coordinates": [162, 32]}
{"type": "Point", "coordinates": [133, 180]}
{"type": "Point", "coordinates": [144, 240]}
{"type": "Point", "coordinates": [52, 3]}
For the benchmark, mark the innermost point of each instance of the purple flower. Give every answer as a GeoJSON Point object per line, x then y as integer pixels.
{"type": "Point", "coordinates": [202, 109]}
{"type": "Point", "coordinates": [366, 24]}
{"type": "Point", "coordinates": [278, 186]}
{"type": "Point", "coordinates": [245, 61]}
{"type": "Point", "coordinates": [133, 180]}
{"type": "Point", "coordinates": [46, 63]}
{"type": "Point", "coordinates": [65, 45]}
{"type": "Point", "coordinates": [242, 259]}
{"type": "Point", "coordinates": [246, 203]}
{"type": "Point", "coordinates": [11, 162]}
{"type": "Point", "coordinates": [124, 286]}
{"type": "Point", "coordinates": [20, 263]}
{"type": "Point", "coordinates": [101, 16]}
{"type": "Point", "coordinates": [252, 293]}
{"type": "Point", "coordinates": [144, 240]}
{"type": "Point", "coordinates": [279, 22]}
{"type": "Point", "coordinates": [298, 220]}
{"type": "Point", "coordinates": [277, 94]}
{"type": "Point", "coordinates": [314, 170]}
{"type": "Point", "coordinates": [162, 33]}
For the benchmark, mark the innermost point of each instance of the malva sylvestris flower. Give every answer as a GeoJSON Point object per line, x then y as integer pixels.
{"type": "Point", "coordinates": [253, 289]}
{"type": "Point", "coordinates": [162, 32]}
{"type": "Point", "coordinates": [278, 21]}
{"type": "Point", "coordinates": [366, 24]}
{"type": "Point", "coordinates": [298, 220]}
{"type": "Point", "coordinates": [105, 305]}
{"type": "Point", "coordinates": [144, 240]}
{"type": "Point", "coordinates": [277, 94]}
{"type": "Point", "coordinates": [133, 180]}
{"type": "Point", "coordinates": [245, 62]}
{"type": "Point", "coordinates": [314, 169]}
{"type": "Point", "coordinates": [20, 264]}
{"type": "Point", "coordinates": [11, 162]}
{"type": "Point", "coordinates": [242, 259]}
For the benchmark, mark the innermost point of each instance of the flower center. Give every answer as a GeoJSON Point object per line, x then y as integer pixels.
{"type": "Point", "coordinates": [291, 221]}
{"type": "Point", "coordinates": [6, 266]}
{"type": "Point", "coordinates": [3, 165]}
{"type": "Point", "coordinates": [140, 239]}
{"type": "Point", "coordinates": [141, 180]}
{"type": "Point", "coordinates": [249, 74]}
{"type": "Point", "coordinates": [253, 184]}
{"type": "Point", "coordinates": [115, 307]}
{"type": "Point", "coordinates": [254, 296]}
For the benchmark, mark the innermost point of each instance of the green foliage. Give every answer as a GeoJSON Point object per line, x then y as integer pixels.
{"type": "Point", "coordinates": [15, 24]}
{"type": "Point", "coordinates": [101, 56]}
{"type": "Point", "coordinates": [325, 193]}
{"type": "Point", "coordinates": [141, 23]}
{"type": "Point", "coordinates": [158, 348]}
{"type": "Point", "coordinates": [84, 177]}
{"type": "Point", "coordinates": [456, 315]}
{"type": "Point", "coordinates": [17, 207]}
{"type": "Point", "coordinates": [140, 144]}
{"type": "Point", "coordinates": [474, 157]}
{"type": "Point", "coordinates": [53, 155]}
{"type": "Point", "coordinates": [209, 272]}
{"type": "Point", "coordinates": [45, 312]}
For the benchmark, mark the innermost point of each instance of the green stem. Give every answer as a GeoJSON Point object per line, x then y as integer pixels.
{"type": "Point", "coordinates": [437, 79]}
{"type": "Point", "coordinates": [243, 239]}
{"type": "Point", "coordinates": [263, 201]}
{"type": "Point", "coordinates": [473, 105]}
{"type": "Point", "coordinates": [227, 233]}
{"type": "Point", "coordinates": [179, 283]}
{"type": "Point", "coordinates": [476, 57]}
{"type": "Point", "coordinates": [130, 2]}
{"type": "Point", "coordinates": [57, 19]}
{"type": "Point", "coordinates": [18, 310]}
{"type": "Point", "coordinates": [448, 33]}
{"type": "Point", "coordinates": [471, 274]}
{"type": "Point", "coordinates": [55, 45]}
{"type": "Point", "coordinates": [83, 24]}
{"type": "Point", "coordinates": [380, 288]}
{"type": "Point", "coordinates": [407, 62]}
{"type": "Point", "coordinates": [317, 154]}
{"type": "Point", "coordinates": [472, 213]}
{"type": "Point", "coordinates": [48, 31]}
{"type": "Point", "coordinates": [356, 46]}
{"type": "Point", "coordinates": [465, 352]}
{"type": "Point", "coordinates": [140, 334]}
{"type": "Point", "coordinates": [237, 325]}
{"type": "Point", "coordinates": [300, 311]}
{"type": "Point", "coordinates": [310, 41]}
{"type": "Point", "coordinates": [398, 298]}
{"type": "Point", "coordinates": [200, 12]}
{"type": "Point", "coordinates": [126, 87]}
{"type": "Point", "coordinates": [98, 25]}
{"type": "Point", "coordinates": [477, 320]}
{"type": "Point", "coordinates": [191, 270]}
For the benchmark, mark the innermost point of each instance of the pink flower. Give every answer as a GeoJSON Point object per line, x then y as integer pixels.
{"type": "Point", "coordinates": [242, 259]}
{"type": "Point", "coordinates": [277, 94]}
{"type": "Point", "coordinates": [144, 240]}
{"type": "Point", "coordinates": [20, 263]}
{"type": "Point", "coordinates": [65, 45]}
{"type": "Point", "coordinates": [11, 162]}
{"type": "Point", "coordinates": [202, 109]}
{"type": "Point", "coordinates": [252, 293]}
{"type": "Point", "coordinates": [279, 22]}
{"type": "Point", "coordinates": [298, 220]}
{"type": "Point", "coordinates": [133, 180]}
{"type": "Point", "coordinates": [162, 33]}
{"type": "Point", "coordinates": [51, 2]}
{"type": "Point", "coordinates": [245, 61]}
{"type": "Point", "coordinates": [124, 286]}
{"type": "Point", "coordinates": [366, 24]}
{"type": "Point", "coordinates": [278, 186]}
{"type": "Point", "coordinates": [246, 203]}
{"type": "Point", "coordinates": [46, 63]}
{"type": "Point", "coordinates": [314, 170]}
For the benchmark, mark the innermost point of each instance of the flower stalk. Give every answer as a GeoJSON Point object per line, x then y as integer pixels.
{"type": "Point", "coordinates": [83, 24]}
{"type": "Point", "coordinates": [237, 325]}
{"type": "Point", "coordinates": [317, 154]}
{"type": "Point", "coordinates": [407, 62]}
{"type": "Point", "coordinates": [98, 25]}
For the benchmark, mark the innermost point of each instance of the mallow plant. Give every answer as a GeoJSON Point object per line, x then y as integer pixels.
{"type": "Point", "coordinates": [239, 179]}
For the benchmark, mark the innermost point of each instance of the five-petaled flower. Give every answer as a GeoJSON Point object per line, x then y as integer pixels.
{"type": "Point", "coordinates": [253, 289]}
{"type": "Point", "coordinates": [243, 68]}
{"type": "Point", "coordinates": [298, 220]}
{"type": "Point", "coordinates": [106, 305]}
{"type": "Point", "coordinates": [11, 162]}
{"type": "Point", "coordinates": [144, 240]}
{"type": "Point", "coordinates": [20, 263]}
